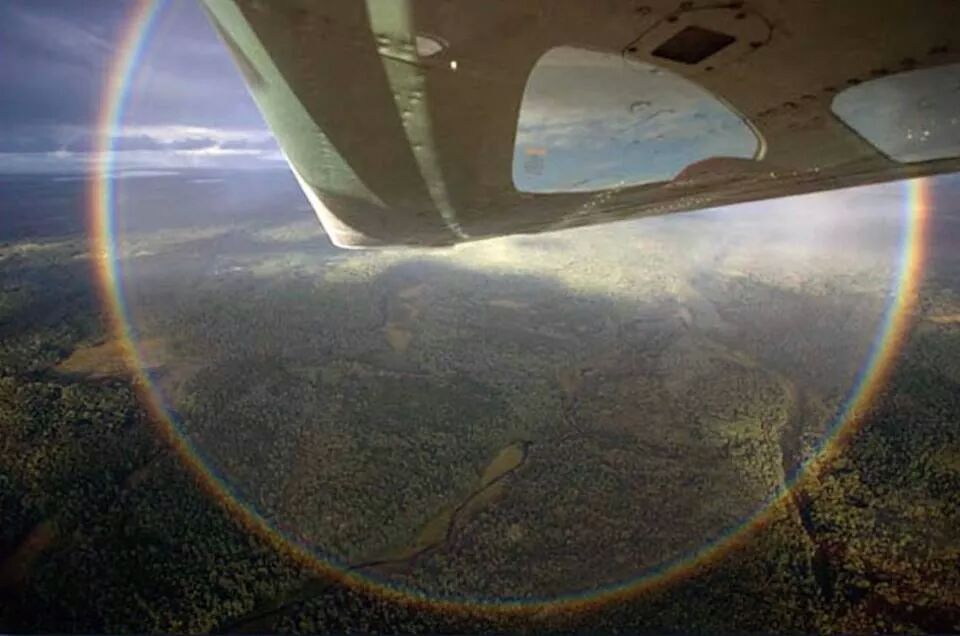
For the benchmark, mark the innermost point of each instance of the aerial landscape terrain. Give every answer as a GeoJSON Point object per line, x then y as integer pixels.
{"type": "Point", "coordinates": [639, 425]}
{"type": "Point", "coordinates": [739, 419]}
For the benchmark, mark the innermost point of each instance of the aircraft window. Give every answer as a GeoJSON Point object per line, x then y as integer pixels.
{"type": "Point", "coordinates": [911, 116]}
{"type": "Point", "coordinates": [626, 123]}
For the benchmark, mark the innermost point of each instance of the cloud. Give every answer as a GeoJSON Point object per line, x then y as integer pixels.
{"type": "Point", "coordinates": [192, 143]}
{"type": "Point", "coordinates": [220, 136]}
{"type": "Point", "coordinates": [267, 143]}
{"type": "Point", "coordinates": [70, 149]}
{"type": "Point", "coordinates": [186, 102]}
{"type": "Point", "coordinates": [137, 142]}
{"type": "Point", "coordinates": [30, 141]}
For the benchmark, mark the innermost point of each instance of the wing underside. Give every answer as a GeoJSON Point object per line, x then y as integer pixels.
{"type": "Point", "coordinates": [425, 123]}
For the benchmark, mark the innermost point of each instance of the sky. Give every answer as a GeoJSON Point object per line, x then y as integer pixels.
{"type": "Point", "coordinates": [188, 105]}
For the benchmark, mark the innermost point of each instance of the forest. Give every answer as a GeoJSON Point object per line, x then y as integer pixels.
{"type": "Point", "coordinates": [455, 432]}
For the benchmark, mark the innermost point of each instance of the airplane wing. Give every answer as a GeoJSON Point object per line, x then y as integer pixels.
{"type": "Point", "coordinates": [431, 122]}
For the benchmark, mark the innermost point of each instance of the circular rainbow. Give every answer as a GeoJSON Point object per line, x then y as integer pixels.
{"type": "Point", "coordinates": [889, 340]}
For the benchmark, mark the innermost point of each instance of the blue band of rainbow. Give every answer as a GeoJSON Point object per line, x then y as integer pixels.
{"type": "Point", "coordinates": [888, 343]}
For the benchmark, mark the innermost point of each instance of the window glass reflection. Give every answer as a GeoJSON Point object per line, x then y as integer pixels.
{"type": "Point", "coordinates": [912, 116]}
{"type": "Point", "coordinates": [592, 121]}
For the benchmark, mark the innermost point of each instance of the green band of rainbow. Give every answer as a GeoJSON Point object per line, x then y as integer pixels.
{"type": "Point", "coordinates": [890, 337]}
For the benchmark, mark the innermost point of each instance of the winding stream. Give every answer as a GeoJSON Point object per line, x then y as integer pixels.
{"type": "Point", "coordinates": [436, 534]}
